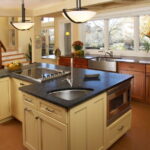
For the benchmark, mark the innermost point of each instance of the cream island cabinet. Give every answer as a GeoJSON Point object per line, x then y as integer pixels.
{"type": "Point", "coordinates": [16, 98]}
{"type": "Point", "coordinates": [11, 103]}
{"type": "Point", "coordinates": [5, 98]}
{"type": "Point", "coordinates": [47, 126]}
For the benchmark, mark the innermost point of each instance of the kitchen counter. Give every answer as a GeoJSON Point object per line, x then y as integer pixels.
{"type": "Point", "coordinates": [130, 59]}
{"type": "Point", "coordinates": [4, 73]}
{"type": "Point", "coordinates": [106, 81]}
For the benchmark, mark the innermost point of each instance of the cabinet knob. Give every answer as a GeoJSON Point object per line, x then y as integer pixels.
{"type": "Point", "coordinates": [36, 117]}
{"type": "Point", "coordinates": [22, 84]}
{"type": "Point", "coordinates": [121, 128]}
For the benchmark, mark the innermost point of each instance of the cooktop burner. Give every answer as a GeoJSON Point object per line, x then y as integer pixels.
{"type": "Point", "coordinates": [42, 74]}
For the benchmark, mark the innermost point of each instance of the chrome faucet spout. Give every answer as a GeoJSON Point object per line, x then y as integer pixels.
{"type": "Point", "coordinates": [70, 80]}
{"type": "Point", "coordinates": [110, 53]}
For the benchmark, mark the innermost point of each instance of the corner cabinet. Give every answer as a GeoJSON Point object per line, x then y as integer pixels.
{"type": "Point", "coordinates": [16, 98]}
{"type": "Point", "coordinates": [5, 100]}
{"type": "Point", "coordinates": [50, 127]}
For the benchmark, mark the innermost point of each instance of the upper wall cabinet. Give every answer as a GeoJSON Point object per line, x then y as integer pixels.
{"type": "Point", "coordinates": [5, 103]}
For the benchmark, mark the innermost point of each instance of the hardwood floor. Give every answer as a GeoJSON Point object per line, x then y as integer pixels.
{"type": "Point", "coordinates": [138, 138]}
{"type": "Point", "coordinates": [11, 136]}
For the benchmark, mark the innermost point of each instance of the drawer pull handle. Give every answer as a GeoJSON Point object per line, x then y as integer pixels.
{"type": "Point", "coordinates": [50, 110]}
{"type": "Point", "coordinates": [121, 128]}
{"type": "Point", "coordinates": [28, 100]}
{"type": "Point", "coordinates": [26, 109]}
{"type": "Point", "coordinates": [36, 117]}
{"type": "Point", "coordinates": [22, 84]}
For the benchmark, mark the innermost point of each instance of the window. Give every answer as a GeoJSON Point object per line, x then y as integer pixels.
{"type": "Point", "coordinates": [121, 34]}
{"type": "Point", "coordinates": [47, 19]}
{"type": "Point", "coordinates": [94, 36]}
{"type": "Point", "coordinates": [47, 41]}
{"type": "Point", "coordinates": [124, 33]}
{"type": "Point", "coordinates": [145, 33]}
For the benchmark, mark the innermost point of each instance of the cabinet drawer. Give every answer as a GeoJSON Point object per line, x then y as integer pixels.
{"type": "Point", "coordinates": [131, 66]}
{"type": "Point", "coordinates": [80, 61]}
{"type": "Point", "coordinates": [80, 66]}
{"type": "Point", "coordinates": [53, 111]}
{"type": "Point", "coordinates": [118, 128]}
{"type": "Point", "coordinates": [30, 100]}
{"type": "Point", "coordinates": [64, 61]}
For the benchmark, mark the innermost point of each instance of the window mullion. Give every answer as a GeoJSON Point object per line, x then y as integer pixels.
{"type": "Point", "coordinates": [106, 34]}
{"type": "Point", "coordinates": [136, 33]}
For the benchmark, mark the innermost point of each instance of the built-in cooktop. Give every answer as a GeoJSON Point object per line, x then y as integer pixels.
{"type": "Point", "coordinates": [42, 74]}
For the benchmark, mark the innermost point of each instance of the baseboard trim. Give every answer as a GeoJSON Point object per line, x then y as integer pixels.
{"type": "Point", "coordinates": [6, 120]}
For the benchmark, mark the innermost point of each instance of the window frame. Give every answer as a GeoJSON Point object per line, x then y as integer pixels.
{"type": "Point", "coordinates": [136, 38]}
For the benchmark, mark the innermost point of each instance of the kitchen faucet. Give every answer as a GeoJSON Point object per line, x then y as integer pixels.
{"type": "Point", "coordinates": [110, 53]}
{"type": "Point", "coordinates": [70, 80]}
{"type": "Point", "coordinates": [101, 51]}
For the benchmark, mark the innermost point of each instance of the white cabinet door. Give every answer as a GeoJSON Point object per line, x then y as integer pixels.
{"type": "Point", "coordinates": [53, 134]}
{"type": "Point", "coordinates": [5, 103]}
{"type": "Point", "coordinates": [30, 128]}
{"type": "Point", "coordinates": [96, 123]}
{"type": "Point", "coordinates": [87, 123]}
{"type": "Point", "coordinates": [16, 97]}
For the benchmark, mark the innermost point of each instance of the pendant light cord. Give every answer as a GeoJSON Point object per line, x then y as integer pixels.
{"type": "Point", "coordinates": [23, 11]}
{"type": "Point", "coordinates": [78, 3]}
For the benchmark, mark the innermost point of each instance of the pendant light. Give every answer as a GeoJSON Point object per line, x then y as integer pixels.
{"type": "Point", "coordinates": [24, 24]}
{"type": "Point", "coordinates": [79, 14]}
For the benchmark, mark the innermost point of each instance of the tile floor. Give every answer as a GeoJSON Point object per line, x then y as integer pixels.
{"type": "Point", "coordinates": [138, 138]}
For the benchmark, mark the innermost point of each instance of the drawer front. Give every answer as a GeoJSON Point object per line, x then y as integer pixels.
{"type": "Point", "coordinates": [148, 69]}
{"type": "Point", "coordinates": [53, 111]}
{"type": "Point", "coordinates": [80, 61]}
{"type": "Point", "coordinates": [131, 66]}
{"type": "Point", "coordinates": [64, 61]}
{"type": "Point", "coordinates": [30, 101]}
{"type": "Point", "coordinates": [80, 66]}
{"type": "Point", "coordinates": [118, 128]}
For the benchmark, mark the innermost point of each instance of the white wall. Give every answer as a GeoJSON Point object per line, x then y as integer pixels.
{"type": "Point", "coordinates": [24, 40]}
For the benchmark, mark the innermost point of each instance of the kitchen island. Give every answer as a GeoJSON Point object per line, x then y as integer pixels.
{"type": "Point", "coordinates": [52, 123]}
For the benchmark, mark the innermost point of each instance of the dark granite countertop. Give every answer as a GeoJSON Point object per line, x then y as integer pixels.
{"type": "Point", "coordinates": [107, 80]}
{"type": "Point", "coordinates": [4, 73]}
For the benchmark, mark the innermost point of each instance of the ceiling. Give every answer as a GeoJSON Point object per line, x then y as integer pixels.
{"type": "Point", "coordinates": [30, 4]}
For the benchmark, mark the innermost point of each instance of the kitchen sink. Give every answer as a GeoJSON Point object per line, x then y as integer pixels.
{"type": "Point", "coordinates": [111, 59]}
{"type": "Point", "coordinates": [70, 94]}
{"type": "Point", "coordinates": [103, 63]}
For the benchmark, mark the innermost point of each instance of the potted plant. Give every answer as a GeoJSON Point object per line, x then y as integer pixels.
{"type": "Point", "coordinates": [29, 54]}
{"type": "Point", "coordinates": [78, 46]}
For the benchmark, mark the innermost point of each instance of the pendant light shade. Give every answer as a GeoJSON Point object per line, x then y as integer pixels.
{"type": "Point", "coordinates": [79, 14]}
{"type": "Point", "coordinates": [24, 24]}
